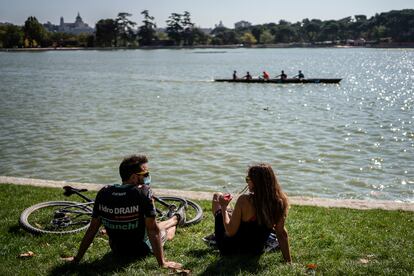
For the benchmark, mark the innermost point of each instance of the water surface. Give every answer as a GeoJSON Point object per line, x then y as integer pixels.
{"type": "Point", "coordinates": [73, 116]}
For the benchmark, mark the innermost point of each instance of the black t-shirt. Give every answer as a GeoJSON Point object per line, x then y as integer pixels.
{"type": "Point", "coordinates": [122, 210]}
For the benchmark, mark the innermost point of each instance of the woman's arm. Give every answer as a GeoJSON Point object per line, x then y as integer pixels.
{"type": "Point", "coordinates": [232, 223]}
{"type": "Point", "coordinates": [283, 238]}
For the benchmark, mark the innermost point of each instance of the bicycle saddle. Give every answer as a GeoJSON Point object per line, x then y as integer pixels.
{"type": "Point", "coordinates": [70, 190]}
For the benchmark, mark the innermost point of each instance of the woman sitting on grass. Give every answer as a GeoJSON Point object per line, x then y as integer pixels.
{"type": "Point", "coordinates": [246, 229]}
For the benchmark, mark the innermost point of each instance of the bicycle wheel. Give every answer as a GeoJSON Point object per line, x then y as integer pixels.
{"type": "Point", "coordinates": [193, 214]}
{"type": "Point", "coordinates": [56, 217]}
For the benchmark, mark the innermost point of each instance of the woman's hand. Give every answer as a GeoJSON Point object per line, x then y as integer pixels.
{"type": "Point", "coordinates": [172, 265]}
{"type": "Point", "coordinates": [224, 200]}
{"type": "Point", "coordinates": [216, 197]}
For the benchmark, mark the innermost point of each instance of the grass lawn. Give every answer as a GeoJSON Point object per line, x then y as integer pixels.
{"type": "Point", "coordinates": [337, 241]}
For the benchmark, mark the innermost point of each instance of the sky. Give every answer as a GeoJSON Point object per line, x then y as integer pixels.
{"type": "Point", "coordinates": [203, 13]}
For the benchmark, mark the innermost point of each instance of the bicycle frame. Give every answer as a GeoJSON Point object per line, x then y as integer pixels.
{"type": "Point", "coordinates": [70, 191]}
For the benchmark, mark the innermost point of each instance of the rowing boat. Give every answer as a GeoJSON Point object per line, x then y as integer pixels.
{"type": "Point", "coordinates": [281, 81]}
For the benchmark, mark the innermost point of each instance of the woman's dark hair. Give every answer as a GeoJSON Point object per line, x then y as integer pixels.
{"type": "Point", "coordinates": [130, 165]}
{"type": "Point", "coordinates": [270, 201]}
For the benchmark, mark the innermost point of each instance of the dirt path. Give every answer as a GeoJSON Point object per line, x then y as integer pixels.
{"type": "Point", "coordinates": [310, 201]}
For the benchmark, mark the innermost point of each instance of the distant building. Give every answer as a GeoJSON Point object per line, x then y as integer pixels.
{"type": "Point", "coordinates": [77, 27]}
{"type": "Point", "coordinates": [219, 25]}
{"type": "Point", "coordinates": [242, 24]}
{"type": "Point", "coordinates": [356, 42]}
{"type": "Point", "coordinates": [207, 31]}
{"type": "Point", "coordinates": [50, 27]}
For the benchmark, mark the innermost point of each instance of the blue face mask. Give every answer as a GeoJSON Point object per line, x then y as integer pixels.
{"type": "Point", "coordinates": [147, 180]}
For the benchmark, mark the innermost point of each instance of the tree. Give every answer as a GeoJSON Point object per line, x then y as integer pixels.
{"type": "Point", "coordinates": [199, 37]}
{"type": "Point", "coordinates": [284, 23]}
{"type": "Point", "coordinates": [86, 40]}
{"type": "Point", "coordinates": [106, 33]}
{"type": "Point", "coordinates": [33, 31]}
{"type": "Point", "coordinates": [187, 33]}
{"type": "Point", "coordinates": [266, 37]}
{"type": "Point", "coordinates": [248, 39]}
{"type": "Point", "coordinates": [59, 39]}
{"type": "Point", "coordinates": [12, 36]}
{"type": "Point", "coordinates": [224, 36]}
{"type": "Point", "coordinates": [161, 36]}
{"type": "Point", "coordinates": [360, 17]}
{"type": "Point", "coordinates": [2, 34]}
{"type": "Point", "coordinates": [311, 29]}
{"type": "Point", "coordinates": [355, 29]}
{"type": "Point", "coordinates": [400, 24]}
{"type": "Point", "coordinates": [329, 30]}
{"type": "Point", "coordinates": [174, 27]}
{"type": "Point", "coordinates": [182, 31]}
{"type": "Point", "coordinates": [284, 33]}
{"type": "Point", "coordinates": [379, 32]}
{"type": "Point", "coordinates": [124, 28]}
{"type": "Point", "coordinates": [257, 32]}
{"type": "Point", "coordinates": [146, 32]}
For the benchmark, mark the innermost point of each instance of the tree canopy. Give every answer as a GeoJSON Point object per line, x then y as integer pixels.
{"type": "Point", "coordinates": [106, 32]}
{"type": "Point", "coordinates": [34, 32]}
{"type": "Point", "coordinates": [125, 29]}
{"type": "Point", "coordinates": [147, 31]}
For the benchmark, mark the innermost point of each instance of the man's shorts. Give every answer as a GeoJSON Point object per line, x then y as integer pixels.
{"type": "Point", "coordinates": [135, 248]}
{"type": "Point", "coordinates": [163, 239]}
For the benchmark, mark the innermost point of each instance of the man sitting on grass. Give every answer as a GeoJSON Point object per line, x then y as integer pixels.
{"type": "Point", "coordinates": [128, 213]}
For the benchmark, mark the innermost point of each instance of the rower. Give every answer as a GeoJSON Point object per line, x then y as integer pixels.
{"type": "Point", "coordinates": [300, 75]}
{"type": "Point", "coordinates": [282, 76]}
{"type": "Point", "coordinates": [235, 75]}
{"type": "Point", "coordinates": [248, 76]}
{"type": "Point", "coordinates": [265, 75]}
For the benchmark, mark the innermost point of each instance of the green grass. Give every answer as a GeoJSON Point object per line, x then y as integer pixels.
{"type": "Point", "coordinates": [338, 241]}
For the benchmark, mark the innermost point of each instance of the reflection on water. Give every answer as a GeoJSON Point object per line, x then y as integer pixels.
{"type": "Point", "coordinates": [74, 115]}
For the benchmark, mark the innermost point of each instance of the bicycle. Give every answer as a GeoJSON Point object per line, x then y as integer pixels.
{"type": "Point", "coordinates": [68, 217]}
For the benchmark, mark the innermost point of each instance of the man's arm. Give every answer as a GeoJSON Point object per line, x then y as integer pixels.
{"type": "Point", "coordinates": [87, 239]}
{"type": "Point", "coordinates": [154, 235]}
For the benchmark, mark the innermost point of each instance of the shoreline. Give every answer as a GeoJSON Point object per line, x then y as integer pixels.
{"type": "Point", "coordinates": [409, 45]}
{"type": "Point", "coordinates": [198, 195]}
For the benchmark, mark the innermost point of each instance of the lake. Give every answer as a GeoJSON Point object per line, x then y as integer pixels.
{"type": "Point", "coordinates": [73, 115]}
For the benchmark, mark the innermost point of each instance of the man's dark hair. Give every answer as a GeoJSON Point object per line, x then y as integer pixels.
{"type": "Point", "coordinates": [130, 165]}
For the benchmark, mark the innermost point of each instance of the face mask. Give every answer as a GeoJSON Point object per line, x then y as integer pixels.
{"type": "Point", "coordinates": [147, 180]}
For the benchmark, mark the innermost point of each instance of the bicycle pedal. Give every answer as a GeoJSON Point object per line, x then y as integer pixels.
{"type": "Point", "coordinates": [170, 213]}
